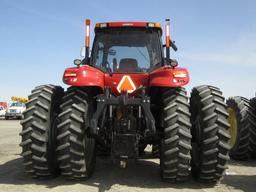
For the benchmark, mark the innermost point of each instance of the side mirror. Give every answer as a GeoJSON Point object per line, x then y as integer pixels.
{"type": "Point", "coordinates": [83, 50]}
{"type": "Point", "coordinates": [172, 62]}
{"type": "Point", "coordinates": [172, 45]}
{"type": "Point", "coordinates": [77, 62]}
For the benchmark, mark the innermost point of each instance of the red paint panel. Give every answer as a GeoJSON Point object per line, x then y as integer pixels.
{"type": "Point", "coordinates": [84, 76]}
{"type": "Point", "coordinates": [165, 77]}
{"type": "Point", "coordinates": [114, 79]}
{"type": "Point", "coordinates": [127, 24]}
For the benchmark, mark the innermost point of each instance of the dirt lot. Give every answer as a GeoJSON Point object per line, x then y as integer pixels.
{"type": "Point", "coordinates": [140, 176]}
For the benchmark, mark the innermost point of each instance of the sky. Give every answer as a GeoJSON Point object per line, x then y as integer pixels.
{"type": "Point", "coordinates": [216, 39]}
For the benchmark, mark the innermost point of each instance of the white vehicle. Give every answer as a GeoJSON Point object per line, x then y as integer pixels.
{"type": "Point", "coordinates": [15, 110]}
{"type": "Point", "coordinates": [2, 111]}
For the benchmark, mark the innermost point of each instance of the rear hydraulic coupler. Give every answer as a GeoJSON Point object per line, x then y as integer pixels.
{"type": "Point", "coordinates": [125, 141]}
{"type": "Point", "coordinates": [124, 101]}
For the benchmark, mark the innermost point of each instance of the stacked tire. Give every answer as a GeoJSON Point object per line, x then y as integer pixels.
{"type": "Point", "coordinates": [252, 119]}
{"type": "Point", "coordinates": [238, 108]}
{"type": "Point", "coordinates": [242, 119]}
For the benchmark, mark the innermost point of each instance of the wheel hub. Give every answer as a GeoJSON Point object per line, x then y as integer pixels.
{"type": "Point", "coordinates": [233, 126]}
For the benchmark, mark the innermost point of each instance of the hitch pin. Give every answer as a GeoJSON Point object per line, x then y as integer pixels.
{"type": "Point", "coordinates": [122, 164]}
{"type": "Point", "coordinates": [129, 124]}
{"type": "Point", "coordinates": [110, 111]}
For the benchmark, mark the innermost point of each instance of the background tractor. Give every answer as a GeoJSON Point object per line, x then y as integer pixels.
{"type": "Point", "coordinates": [123, 96]}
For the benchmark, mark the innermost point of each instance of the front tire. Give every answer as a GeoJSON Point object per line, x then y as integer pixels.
{"type": "Point", "coordinates": [209, 133]}
{"type": "Point", "coordinates": [175, 144]}
{"type": "Point", "coordinates": [76, 149]}
{"type": "Point", "coordinates": [39, 131]}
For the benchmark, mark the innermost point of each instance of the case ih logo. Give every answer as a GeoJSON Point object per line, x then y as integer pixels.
{"type": "Point", "coordinates": [126, 84]}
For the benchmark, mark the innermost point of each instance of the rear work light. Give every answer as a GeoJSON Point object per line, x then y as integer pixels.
{"type": "Point", "coordinates": [101, 25]}
{"type": "Point", "coordinates": [128, 24]}
{"type": "Point", "coordinates": [154, 25]}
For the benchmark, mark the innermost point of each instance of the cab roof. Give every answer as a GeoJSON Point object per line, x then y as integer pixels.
{"type": "Point", "coordinates": [128, 24]}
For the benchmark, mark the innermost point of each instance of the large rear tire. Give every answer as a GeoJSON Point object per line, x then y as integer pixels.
{"type": "Point", "coordinates": [39, 131]}
{"type": "Point", "coordinates": [175, 145]}
{"type": "Point", "coordinates": [252, 119]}
{"type": "Point", "coordinates": [76, 149]}
{"type": "Point", "coordinates": [239, 127]}
{"type": "Point", "coordinates": [209, 133]}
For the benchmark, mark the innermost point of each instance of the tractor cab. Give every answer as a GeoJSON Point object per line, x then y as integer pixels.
{"type": "Point", "coordinates": [130, 52]}
{"type": "Point", "coordinates": [123, 47]}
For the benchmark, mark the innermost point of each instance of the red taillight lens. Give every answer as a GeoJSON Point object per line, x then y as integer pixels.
{"type": "Point", "coordinates": [70, 74]}
{"type": "Point", "coordinates": [180, 74]}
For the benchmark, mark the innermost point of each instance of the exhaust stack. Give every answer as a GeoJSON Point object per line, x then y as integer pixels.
{"type": "Point", "coordinates": [167, 37]}
{"type": "Point", "coordinates": [87, 38]}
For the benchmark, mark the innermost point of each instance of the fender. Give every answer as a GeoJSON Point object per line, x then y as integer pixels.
{"type": "Point", "coordinates": [84, 76]}
{"type": "Point", "coordinates": [168, 76]}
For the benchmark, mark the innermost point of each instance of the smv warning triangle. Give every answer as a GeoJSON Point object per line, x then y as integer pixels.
{"type": "Point", "coordinates": [126, 84]}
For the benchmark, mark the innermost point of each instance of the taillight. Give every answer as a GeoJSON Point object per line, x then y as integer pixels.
{"type": "Point", "coordinates": [180, 74]}
{"type": "Point", "coordinates": [70, 74]}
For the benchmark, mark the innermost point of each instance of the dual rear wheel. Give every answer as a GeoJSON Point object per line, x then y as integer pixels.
{"type": "Point", "coordinates": [195, 136]}
{"type": "Point", "coordinates": [54, 134]}
{"type": "Point", "coordinates": [39, 131]}
{"type": "Point", "coordinates": [57, 122]}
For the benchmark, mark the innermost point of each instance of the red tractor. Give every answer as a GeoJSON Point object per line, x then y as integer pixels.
{"type": "Point", "coordinates": [123, 96]}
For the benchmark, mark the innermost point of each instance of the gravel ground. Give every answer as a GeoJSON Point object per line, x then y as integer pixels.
{"type": "Point", "coordinates": [142, 175]}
